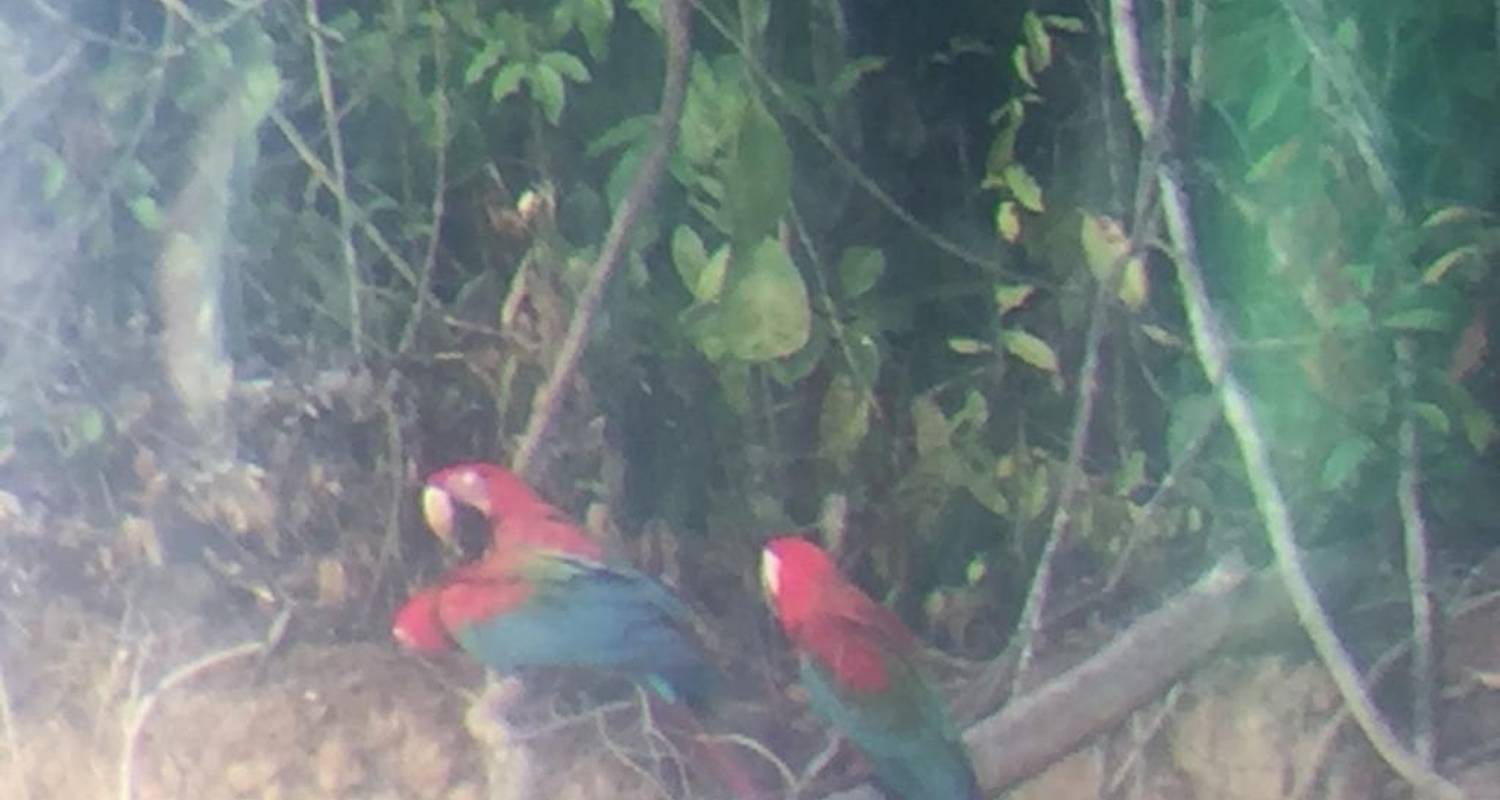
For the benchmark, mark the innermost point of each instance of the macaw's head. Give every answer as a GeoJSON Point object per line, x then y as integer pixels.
{"type": "Point", "coordinates": [792, 569]}
{"type": "Point", "coordinates": [494, 491]}
{"type": "Point", "coordinates": [417, 625]}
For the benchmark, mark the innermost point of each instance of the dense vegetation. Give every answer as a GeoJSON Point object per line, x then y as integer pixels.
{"type": "Point", "coordinates": [911, 257]}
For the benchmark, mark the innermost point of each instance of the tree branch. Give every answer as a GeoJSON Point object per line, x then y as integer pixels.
{"type": "Point", "coordinates": [548, 398]}
{"type": "Point", "coordinates": [1212, 351]}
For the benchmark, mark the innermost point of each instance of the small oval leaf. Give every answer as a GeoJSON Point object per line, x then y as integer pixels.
{"type": "Point", "coordinates": [859, 269]}
{"type": "Point", "coordinates": [1030, 349]}
{"type": "Point", "coordinates": [766, 313]}
{"type": "Point", "coordinates": [1010, 297]}
{"type": "Point", "coordinates": [1008, 221]}
{"type": "Point", "coordinates": [1027, 191]}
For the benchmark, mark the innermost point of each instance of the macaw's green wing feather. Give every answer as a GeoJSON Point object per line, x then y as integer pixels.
{"type": "Point", "coordinates": [560, 610]}
{"type": "Point", "coordinates": [862, 675]}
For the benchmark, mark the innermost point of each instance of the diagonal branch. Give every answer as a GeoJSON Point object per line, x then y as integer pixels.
{"type": "Point", "coordinates": [548, 399]}
{"type": "Point", "coordinates": [1212, 351]}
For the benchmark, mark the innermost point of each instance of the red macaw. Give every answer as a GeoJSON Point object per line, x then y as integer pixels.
{"type": "Point", "coordinates": [515, 511]}
{"type": "Point", "coordinates": [522, 605]}
{"type": "Point", "coordinates": [543, 596]}
{"type": "Point", "coordinates": [858, 663]}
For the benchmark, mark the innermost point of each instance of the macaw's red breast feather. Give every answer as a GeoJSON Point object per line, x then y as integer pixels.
{"type": "Point", "coordinates": [476, 593]}
{"type": "Point", "coordinates": [829, 618]}
{"type": "Point", "coordinates": [417, 624]}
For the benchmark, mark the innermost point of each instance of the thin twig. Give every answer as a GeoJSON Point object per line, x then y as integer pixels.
{"type": "Point", "coordinates": [324, 175]}
{"type": "Point", "coordinates": [548, 399]}
{"type": "Point", "coordinates": [18, 95]}
{"type": "Point", "coordinates": [1209, 344]}
{"type": "Point", "coordinates": [340, 176]}
{"type": "Point", "coordinates": [755, 746]}
{"type": "Point", "coordinates": [1414, 525]}
{"type": "Point", "coordinates": [140, 708]}
{"type": "Point", "coordinates": [1083, 416]}
{"type": "Point", "coordinates": [439, 180]}
{"type": "Point", "coordinates": [1142, 739]}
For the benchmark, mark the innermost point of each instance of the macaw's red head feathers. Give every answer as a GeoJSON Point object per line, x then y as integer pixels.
{"type": "Point", "coordinates": [492, 490]}
{"type": "Point", "coordinates": [792, 570]}
{"type": "Point", "coordinates": [417, 625]}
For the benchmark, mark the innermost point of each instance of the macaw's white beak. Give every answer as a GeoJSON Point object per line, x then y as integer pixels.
{"type": "Point", "coordinates": [437, 510]}
{"type": "Point", "coordinates": [770, 573]}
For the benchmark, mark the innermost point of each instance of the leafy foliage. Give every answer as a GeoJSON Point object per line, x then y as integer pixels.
{"type": "Point", "coordinates": [871, 271]}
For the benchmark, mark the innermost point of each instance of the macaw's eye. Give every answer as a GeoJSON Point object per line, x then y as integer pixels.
{"type": "Point", "coordinates": [471, 532]}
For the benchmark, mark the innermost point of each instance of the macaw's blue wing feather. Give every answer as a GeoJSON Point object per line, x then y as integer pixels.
{"type": "Point", "coordinates": [581, 613]}
{"type": "Point", "coordinates": [902, 729]}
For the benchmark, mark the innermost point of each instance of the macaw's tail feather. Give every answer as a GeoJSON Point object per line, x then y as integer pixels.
{"type": "Point", "coordinates": [929, 769]}
{"type": "Point", "coordinates": [719, 759]}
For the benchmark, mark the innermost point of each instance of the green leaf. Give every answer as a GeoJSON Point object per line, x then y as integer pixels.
{"type": "Point", "coordinates": [1163, 337]}
{"type": "Point", "coordinates": [1058, 22]}
{"type": "Point", "coordinates": [1420, 319]}
{"type": "Point", "coordinates": [1008, 220]}
{"type": "Point", "coordinates": [1132, 473]}
{"type": "Point", "coordinates": [1443, 264]}
{"type": "Point", "coordinates": [622, 175]}
{"type": "Point", "coordinates": [146, 212]}
{"type": "Point", "coordinates": [1009, 296]}
{"type": "Point", "coordinates": [989, 495]}
{"type": "Point", "coordinates": [1105, 248]}
{"type": "Point", "coordinates": [484, 61]}
{"type": "Point", "coordinates": [1038, 41]}
{"type": "Point", "coordinates": [1134, 286]}
{"type": "Point", "coordinates": [1024, 187]}
{"type": "Point", "coordinates": [1450, 215]}
{"type": "Point", "coordinates": [859, 269]}
{"type": "Point", "coordinates": [631, 131]}
{"type": "Point", "coordinates": [759, 178]}
{"type": "Point", "coordinates": [1479, 428]}
{"type": "Point", "coordinates": [976, 569]}
{"type": "Point", "coordinates": [1003, 148]}
{"type": "Point", "coordinates": [507, 81]}
{"type": "Point", "coordinates": [548, 90]}
{"type": "Point", "coordinates": [1034, 493]}
{"type": "Point", "coordinates": [790, 370]}
{"type": "Point", "coordinates": [930, 428]}
{"type": "Point", "coordinates": [1343, 464]}
{"type": "Point", "coordinates": [974, 414]}
{"type": "Point", "coordinates": [1433, 416]}
{"type": "Point", "coordinates": [852, 72]}
{"type": "Point", "coordinates": [968, 347]}
{"type": "Point", "coordinates": [844, 420]}
{"type": "Point", "coordinates": [594, 20]}
{"type": "Point", "coordinates": [567, 65]}
{"type": "Point", "coordinates": [766, 313]}
{"type": "Point", "coordinates": [1030, 349]}
{"type": "Point", "coordinates": [864, 356]}
{"type": "Point", "coordinates": [689, 256]}
{"type": "Point", "coordinates": [1191, 414]}
{"type": "Point", "coordinates": [1022, 65]}
{"type": "Point", "coordinates": [710, 282]}
{"type": "Point", "coordinates": [54, 170]}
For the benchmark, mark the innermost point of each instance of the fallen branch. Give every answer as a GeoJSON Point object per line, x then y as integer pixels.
{"type": "Point", "coordinates": [1039, 728]}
